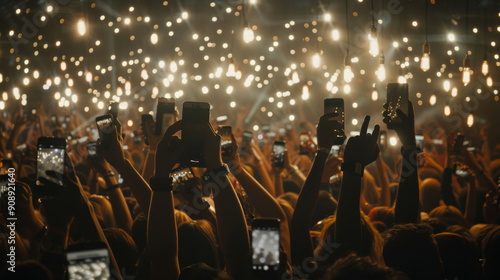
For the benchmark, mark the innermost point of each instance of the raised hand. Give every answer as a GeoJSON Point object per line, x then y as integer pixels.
{"type": "Point", "coordinates": [169, 151]}
{"type": "Point", "coordinates": [363, 148]}
{"type": "Point", "coordinates": [328, 129]}
{"type": "Point", "coordinates": [114, 155]}
{"type": "Point", "coordinates": [406, 127]}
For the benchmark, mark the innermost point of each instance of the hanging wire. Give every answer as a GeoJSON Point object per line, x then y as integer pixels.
{"type": "Point", "coordinates": [347, 24]}
{"type": "Point", "coordinates": [373, 16]}
{"type": "Point", "coordinates": [466, 19]}
{"type": "Point", "coordinates": [426, 19]}
{"type": "Point", "coordinates": [485, 29]}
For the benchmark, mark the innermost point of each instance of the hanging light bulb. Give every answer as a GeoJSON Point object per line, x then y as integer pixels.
{"type": "Point", "coordinates": [144, 74]}
{"type": "Point", "coordinates": [231, 69]}
{"type": "Point", "coordinates": [335, 34]}
{"type": "Point", "coordinates": [484, 66]}
{"type": "Point", "coordinates": [454, 92]}
{"type": "Point", "coordinates": [347, 89]}
{"type": "Point", "coordinates": [374, 95]}
{"type": "Point", "coordinates": [466, 70]}
{"type": "Point", "coordinates": [248, 35]}
{"type": "Point", "coordinates": [425, 62]}
{"type": "Point", "coordinates": [447, 110]}
{"type": "Point", "coordinates": [373, 41]}
{"type": "Point", "coordinates": [470, 120]}
{"type": "Point", "coordinates": [381, 68]}
{"type": "Point", "coordinates": [489, 81]}
{"type": "Point", "coordinates": [82, 29]}
{"type": "Point", "coordinates": [305, 92]}
{"type": "Point", "coordinates": [348, 74]}
{"type": "Point", "coordinates": [432, 100]}
{"type": "Point", "coordinates": [295, 77]}
{"type": "Point", "coordinates": [446, 85]}
{"type": "Point", "coordinates": [173, 66]}
{"type": "Point", "coordinates": [316, 60]}
{"type": "Point", "coordinates": [88, 77]}
{"type": "Point", "coordinates": [154, 38]}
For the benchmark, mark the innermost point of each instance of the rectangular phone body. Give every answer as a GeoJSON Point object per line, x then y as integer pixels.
{"type": "Point", "coordinates": [265, 246]}
{"type": "Point", "coordinates": [420, 142]}
{"type": "Point", "coordinates": [336, 106]}
{"type": "Point", "coordinates": [4, 187]}
{"type": "Point", "coordinates": [459, 142]}
{"type": "Point", "coordinates": [105, 125]}
{"type": "Point", "coordinates": [305, 143]}
{"type": "Point", "coordinates": [226, 143]}
{"type": "Point", "coordinates": [397, 98]}
{"type": "Point", "coordinates": [382, 140]}
{"type": "Point", "coordinates": [92, 150]}
{"type": "Point", "coordinates": [51, 154]}
{"type": "Point", "coordinates": [164, 114]}
{"type": "Point", "coordinates": [88, 262]}
{"type": "Point", "coordinates": [245, 147]}
{"type": "Point", "coordinates": [194, 115]}
{"type": "Point", "coordinates": [279, 153]}
{"type": "Point", "coordinates": [113, 109]}
{"type": "Point", "coordinates": [145, 119]}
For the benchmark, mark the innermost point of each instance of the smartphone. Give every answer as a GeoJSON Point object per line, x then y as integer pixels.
{"type": "Point", "coordinates": [265, 246]}
{"type": "Point", "coordinates": [51, 154]}
{"type": "Point", "coordinates": [105, 125]}
{"type": "Point", "coordinates": [164, 114]}
{"type": "Point", "coordinates": [194, 115]}
{"type": "Point", "coordinates": [88, 261]}
{"type": "Point", "coordinates": [397, 98]}
{"type": "Point", "coordinates": [181, 175]}
{"type": "Point", "coordinates": [226, 143]}
{"type": "Point", "coordinates": [145, 119]}
{"type": "Point", "coordinates": [279, 153]}
{"type": "Point", "coordinates": [92, 150]}
{"type": "Point", "coordinates": [459, 142]}
{"type": "Point", "coordinates": [245, 142]}
{"type": "Point", "coordinates": [305, 143]}
{"type": "Point", "coordinates": [113, 109]}
{"type": "Point", "coordinates": [382, 140]}
{"type": "Point", "coordinates": [336, 106]}
{"type": "Point", "coordinates": [420, 142]}
{"type": "Point", "coordinates": [4, 187]}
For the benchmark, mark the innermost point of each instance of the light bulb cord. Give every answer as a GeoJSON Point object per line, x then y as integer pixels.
{"type": "Point", "coordinates": [426, 18]}
{"type": "Point", "coordinates": [347, 25]}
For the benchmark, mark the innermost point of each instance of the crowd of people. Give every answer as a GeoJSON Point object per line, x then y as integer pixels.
{"type": "Point", "coordinates": [426, 211]}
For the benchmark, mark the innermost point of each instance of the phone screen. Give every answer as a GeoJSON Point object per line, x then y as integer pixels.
{"type": "Point", "coordinates": [279, 153]}
{"type": "Point", "coordinates": [164, 115]}
{"type": "Point", "coordinates": [397, 98]}
{"type": "Point", "coordinates": [420, 142]}
{"type": "Point", "coordinates": [180, 176]}
{"type": "Point", "coordinates": [194, 114]}
{"type": "Point", "coordinates": [105, 125]}
{"type": "Point", "coordinates": [336, 106]}
{"type": "Point", "coordinates": [50, 157]}
{"type": "Point", "coordinates": [226, 140]}
{"type": "Point", "coordinates": [265, 245]}
{"type": "Point", "coordinates": [92, 150]}
{"type": "Point", "coordinates": [88, 264]}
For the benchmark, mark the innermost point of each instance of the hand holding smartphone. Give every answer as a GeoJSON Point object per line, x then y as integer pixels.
{"type": "Point", "coordinates": [51, 154]}
{"type": "Point", "coordinates": [336, 106]}
{"type": "Point", "coordinates": [164, 114]}
{"type": "Point", "coordinates": [397, 99]}
{"type": "Point", "coordinates": [105, 126]}
{"type": "Point", "coordinates": [279, 154]}
{"type": "Point", "coordinates": [145, 119]}
{"type": "Point", "coordinates": [194, 115]}
{"type": "Point", "coordinates": [88, 261]}
{"type": "Point", "coordinates": [225, 133]}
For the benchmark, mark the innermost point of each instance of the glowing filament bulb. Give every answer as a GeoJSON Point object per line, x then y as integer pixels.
{"type": "Point", "coordinates": [489, 81]}
{"type": "Point", "coordinates": [154, 38]}
{"type": "Point", "coordinates": [348, 74]}
{"type": "Point", "coordinates": [305, 92]}
{"type": "Point", "coordinates": [295, 77]}
{"type": "Point", "coordinates": [231, 69]}
{"type": "Point", "coordinates": [82, 29]}
{"type": "Point", "coordinates": [248, 35]}
{"type": "Point", "coordinates": [316, 60]}
{"type": "Point", "coordinates": [381, 72]}
{"type": "Point", "coordinates": [144, 74]}
{"type": "Point", "coordinates": [454, 92]}
{"type": "Point", "coordinates": [447, 110]}
{"type": "Point", "coordinates": [470, 120]}
{"type": "Point", "coordinates": [484, 67]}
{"type": "Point", "coordinates": [173, 66]}
{"type": "Point", "coordinates": [401, 79]}
{"type": "Point", "coordinates": [466, 71]}
{"type": "Point", "coordinates": [374, 43]}
{"type": "Point", "coordinates": [88, 77]}
{"type": "Point", "coordinates": [425, 62]}
{"type": "Point", "coordinates": [432, 100]}
{"type": "Point", "coordinates": [446, 85]}
{"type": "Point", "coordinates": [335, 34]}
{"type": "Point", "coordinates": [63, 66]}
{"type": "Point", "coordinates": [374, 95]}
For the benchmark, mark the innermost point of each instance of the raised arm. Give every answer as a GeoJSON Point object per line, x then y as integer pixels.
{"type": "Point", "coordinates": [162, 228]}
{"type": "Point", "coordinates": [385, 193]}
{"type": "Point", "coordinates": [231, 225]}
{"type": "Point", "coordinates": [149, 161]}
{"type": "Point", "coordinates": [407, 200]}
{"type": "Point", "coordinates": [359, 152]}
{"type": "Point", "coordinates": [302, 247]}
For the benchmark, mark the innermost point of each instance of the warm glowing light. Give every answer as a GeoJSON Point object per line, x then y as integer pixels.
{"type": "Point", "coordinates": [454, 92]}
{"type": "Point", "coordinates": [248, 35]}
{"type": "Point", "coordinates": [393, 141]}
{"type": "Point", "coordinates": [374, 95]}
{"type": "Point", "coordinates": [130, 123]}
{"type": "Point", "coordinates": [425, 62]}
{"type": "Point", "coordinates": [446, 85]}
{"type": "Point", "coordinates": [484, 67]}
{"type": "Point", "coordinates": [401, 79]}
{"type": "Point", "coordinates": [466, 71]}
{"type": "Point", "coordinates": [63, 66]}
{"type": "Point", "coordinates": [173, 66]}
{"type": "Point", "coordinates": [489, 81]}
{"type": "Point", "coordinates": [372, 37]}
{"type": "Point", "coordinates": [231, 69]}
{"type": "Point", "coordinates": [348, 74]}
{"type": "Point", "coordinates": [381, 72]}
{"type": "Point", "coordinates": [470, 120]}
{"type": "Point", "coordinates": [335, 34]}
{"type": "Point", "coordinates": [432, 100]}
{"type": "Point", "coordinates": [295, 77]}
{"type": "Point", "coordinates": [347, 89]}
{"type": "Point", "coordinates": [316, 60]}
{"type": "Point", "coordinates": [88, 77]}
{"type": "Point", "coordinates": [82, 29]}
{"type": "Point", "coordinates": [305, 92]}
{"type": "Point", "coordinates": [154, 38]}
{"type": "Point", "coordinates": [447, 110]}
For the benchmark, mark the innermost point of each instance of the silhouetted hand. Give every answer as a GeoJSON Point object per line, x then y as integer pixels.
{"type": "Point", "coordinates": [363, 148]}
{"type": "Point", "coordinates": [328, 129]}
{"type": "Point", "coordinates": [406, 125]}
{"type": "Point", "coordinates": [114, 154]}
{"type": "Point", "coordinates": [169, 151]}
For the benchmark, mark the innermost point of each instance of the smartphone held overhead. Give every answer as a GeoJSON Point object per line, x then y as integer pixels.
{"type": "Point", "coordinates": [51, 154]}
{"type": "Point", "coordinates": [335, 106]}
